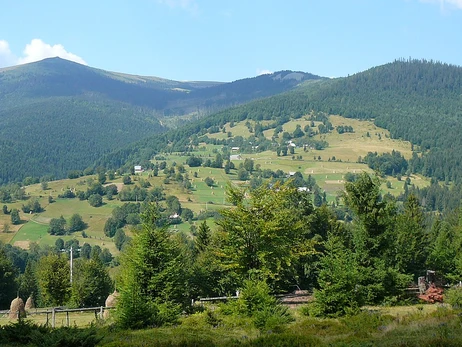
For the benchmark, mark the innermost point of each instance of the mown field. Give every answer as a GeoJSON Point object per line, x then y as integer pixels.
{"type": "Point", "coordinates": [329, 175]}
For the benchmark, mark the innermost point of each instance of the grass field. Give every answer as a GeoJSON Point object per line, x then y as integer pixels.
{"type": "Point", "coordinates": [421, 325]}
{"type": "Point", "coordinates": [329, 175]}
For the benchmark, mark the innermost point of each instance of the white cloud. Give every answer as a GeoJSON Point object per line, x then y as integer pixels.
{"type": "Point", "coordinates": [6, 57]}
{"type": "Point", "coordinates": [263, 72]}
{"type": "Point", "coordinates": [444, 4]}
{"type": "Point", "coordinates": [34, 51]}
{"type": "Point", "coordinates": [186, 5]}
{"type": "Point", "coordinates": [38, 50]}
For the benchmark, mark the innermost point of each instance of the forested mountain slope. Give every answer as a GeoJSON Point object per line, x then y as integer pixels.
{"type": "Point", "coordinates": [56, 115]}
{"type": "Point", "coordinates": [419, 101]}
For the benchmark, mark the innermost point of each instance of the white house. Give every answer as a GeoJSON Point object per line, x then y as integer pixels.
{"type": "Point", "coordinates": [138, 169]}
{"type": "Point", "coordinates": [235, 157]}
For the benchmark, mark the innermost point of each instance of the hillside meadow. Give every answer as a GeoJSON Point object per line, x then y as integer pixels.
{"type": "Point", "coordinates": [327, 166]}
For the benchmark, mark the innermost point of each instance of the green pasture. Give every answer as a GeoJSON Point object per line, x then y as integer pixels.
{"type": "Point", "coordinates": [329, 175]}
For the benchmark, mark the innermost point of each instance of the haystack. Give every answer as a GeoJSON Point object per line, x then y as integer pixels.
{"type": "Point", "coordinates": [17, 309]}
{"type": "Point", "coordinates": [30, 304]}
{"type": "Point", "coordinates": [111, 301]}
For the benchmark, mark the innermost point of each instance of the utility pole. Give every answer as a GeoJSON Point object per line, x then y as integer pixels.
{"type": "Point", "coordinates": [72, 261]}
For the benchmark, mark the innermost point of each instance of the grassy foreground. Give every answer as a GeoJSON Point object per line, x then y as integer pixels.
{"type": "Point", "coordinates": [428, 325]}
{"type": "Point", "coordinates": [401, 326]}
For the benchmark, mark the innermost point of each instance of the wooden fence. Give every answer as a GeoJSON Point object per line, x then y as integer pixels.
{"type": "Point", "coordinates": [51, 313]}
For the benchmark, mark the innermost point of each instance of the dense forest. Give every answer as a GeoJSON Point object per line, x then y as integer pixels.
{"type": "Point", "coordinates": [57, 115]}
{"type": "Point", "coordinates": [415, 100]}
{"type": "Point", "coordinates": [58, 135]}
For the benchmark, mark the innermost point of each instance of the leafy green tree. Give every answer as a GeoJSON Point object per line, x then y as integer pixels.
{"type": "Point", "coordinates": [151, 276]}
{"type": "Point", "coordinates": [193, 161]}
{"type": "Point", "coordinates": [187, 214]}
{"type": "Point", "coordinates": [267, 231]}
{"type": "Point", "coordinates": [249, 165]}
{"type": "Point", "coordinates": [209, 182]}
{"type": "Point", "coordinates": [102, 177]}
{"type": "Point", "coordinates": [218, 162]}
{"type": "Point", "coordinates": [173, 204]}
{"type": "Point", "coordinates": [95, 200]}
{"type": "Point", "coordinates": [54, 280]}
{"type": "Point", "coordinates": [105, 256]}
{"type": "Point", "coordinates": [119, 238]}
{"type": "Point", "coordinates": [127, 179]}
{"type": "Point", "coordinates": [14, 214]}
{"type": "Point", "coordinates": [5, 209]}
{"type": "Point", "coordinates": [133, 218]}
{"type": "Point", "coordinates": [76, 223]}
{"type": "Point", "coordinates": [298, 132]}
{"type": "Point", "coordinates": [242, 174]}
{"type": "Point", "coordinates": [59, 244]}
{"type": "Point", "coordinates": [91, 283]}
{"type": "Point", "coordinates": [85, 251]}
{"type": "Point", "coordinates": [57, 226]}
{"type": "Point", "coordinates": [7, 281]}
{"type": "Point", "coordinates": [95, 252]}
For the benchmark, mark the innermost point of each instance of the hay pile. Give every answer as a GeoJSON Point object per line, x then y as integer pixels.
{"type": "Point", "coordinates": [30, 303]}
{"type": "Point", "coordinates": [17, 305]}
{"type": "Point", "coordinates": [110, 302]}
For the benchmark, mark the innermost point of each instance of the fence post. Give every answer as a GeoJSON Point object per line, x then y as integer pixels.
{"type": "Point", "coordinates": [67, 318]}
{"type": "Point", "coordinates": [101, 312]}
{"type": "Point", "coordinates": [53, 317]}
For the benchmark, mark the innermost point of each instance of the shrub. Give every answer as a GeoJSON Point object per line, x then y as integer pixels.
{"type": "Point", "coordinates": [255, 301]}
{"type": "Point", "coordinates": [453, 297]}
{"type": "Point", "coordinates": [25, 332]}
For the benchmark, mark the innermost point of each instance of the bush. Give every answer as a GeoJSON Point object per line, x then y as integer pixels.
{"type": "Point", "coordinates": [453, 297]}
{"type": "Point", "coordinates": [28, 333]}
{"type": "Point", "coordinates": [255, 301]}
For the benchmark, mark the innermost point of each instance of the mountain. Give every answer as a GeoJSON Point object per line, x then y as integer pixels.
{"type": "Point", "coordinates": [57, 115]}
{"type": "Point", "coordinates": [416, 100]}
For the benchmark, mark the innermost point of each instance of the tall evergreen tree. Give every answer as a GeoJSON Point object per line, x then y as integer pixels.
{"type": "Point", "coordinates": [411, 242]}
{"type": "Point", "coordinates": [151, 275]}
{"type": "Point", "coordinates": [28, 282]}
{"type": "Point", "coordinates": [203, 237]}
{"type": "Point", "coordinates": [7, 281]}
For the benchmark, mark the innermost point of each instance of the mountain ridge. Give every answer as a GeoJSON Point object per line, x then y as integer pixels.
{"type": "Point", "coordinates": [57, 99]}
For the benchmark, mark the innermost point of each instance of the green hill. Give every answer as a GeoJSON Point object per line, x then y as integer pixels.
{"type": "Point", "coordinates": [57, 116]}
{"type": "Point", "coordinates": [417, 101]}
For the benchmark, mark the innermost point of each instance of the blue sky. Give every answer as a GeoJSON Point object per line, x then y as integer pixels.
{"type": "Point", "coordinates": [225, 40]}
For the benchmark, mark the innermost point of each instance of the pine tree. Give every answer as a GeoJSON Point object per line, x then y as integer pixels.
{"type": "Point", "coordinates": [203, 237]}
{"type": "Point", "coordinates": [29, 284]}
{"type": "Point", "coordinates": [152, 281]}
